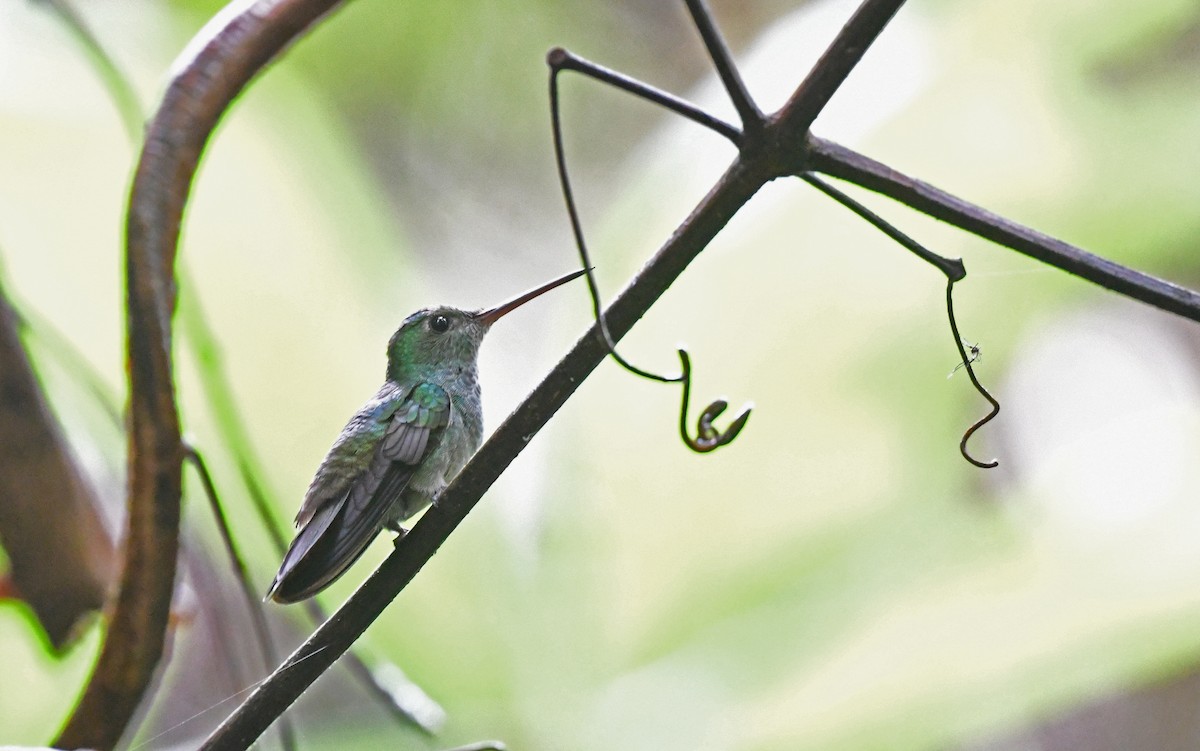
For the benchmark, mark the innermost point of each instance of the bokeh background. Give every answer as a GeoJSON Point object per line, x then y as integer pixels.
{"type": "Point", "coordinates": [838, 578]}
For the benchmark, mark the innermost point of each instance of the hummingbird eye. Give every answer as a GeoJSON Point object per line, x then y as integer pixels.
{"type": "Point", "coordinates": [440, 324]}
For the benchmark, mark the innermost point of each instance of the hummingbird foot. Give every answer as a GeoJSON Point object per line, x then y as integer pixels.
{"type": "Point", "coordinates": [399, 530]}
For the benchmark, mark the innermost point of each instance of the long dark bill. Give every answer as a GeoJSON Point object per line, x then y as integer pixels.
{"type": "Point", "coordinates": [490, 316]}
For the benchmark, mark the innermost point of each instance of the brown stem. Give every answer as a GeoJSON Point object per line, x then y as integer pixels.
{"type": "Point", "coordinates": [193, 104]}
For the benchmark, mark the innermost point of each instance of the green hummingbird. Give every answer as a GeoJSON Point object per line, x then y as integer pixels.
{"type": "Point", "coordinates": [399, 450]}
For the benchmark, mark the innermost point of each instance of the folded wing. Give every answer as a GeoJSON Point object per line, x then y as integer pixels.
{"type": "Point", "coordinates": [335, 531]}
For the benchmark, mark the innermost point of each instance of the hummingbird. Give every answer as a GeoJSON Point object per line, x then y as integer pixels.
{"type": "Point", "coordinates": [399, 450]}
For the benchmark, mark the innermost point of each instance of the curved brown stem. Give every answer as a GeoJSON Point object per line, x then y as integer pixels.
{"type": "Point", "coordinates": [194, 102]}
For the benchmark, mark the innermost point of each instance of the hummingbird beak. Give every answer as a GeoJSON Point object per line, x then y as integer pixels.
{"type": "Point", "coordinates": [490, 316]}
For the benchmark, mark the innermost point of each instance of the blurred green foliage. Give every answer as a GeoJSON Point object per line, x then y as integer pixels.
{"type": "Point", "coordinates": [836, 579]}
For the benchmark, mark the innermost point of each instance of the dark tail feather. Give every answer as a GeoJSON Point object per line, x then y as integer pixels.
{"type": "Point", "coordinates": [328, 545]}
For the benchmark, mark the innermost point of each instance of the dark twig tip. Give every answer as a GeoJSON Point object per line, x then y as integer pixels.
{"type": "Point", "coordinates": [955, 270]}
{"type": "Point", "coordinates": [982, 465]}
{"type": "Point", "coordinates": [738, 423]}
{"type": "Point", "coordinates": [557, 57]}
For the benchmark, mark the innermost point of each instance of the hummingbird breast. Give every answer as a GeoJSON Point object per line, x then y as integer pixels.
{"type": "Point", "coordinates": [462, 437]}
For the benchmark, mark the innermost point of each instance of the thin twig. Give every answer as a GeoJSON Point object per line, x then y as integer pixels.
{"type": "Point", "coordinates": [707, 438]}
{"type": "Point", "coordinates": [845, 164]}
{"type": "Point", "coordinates": [954, 271]}
{"type": "Point", "coordinates": [751, 116]}
{"type": "Point", "coordinates": [561, 59]}
{"type": "Point", "coordinates": [564, 180]}
{"type": "Point", "coordinates": [967, 363]}
{"type": "Point", "coordinates": [951, 267]}
{"type": "Point", "coordinates": [254, 606]}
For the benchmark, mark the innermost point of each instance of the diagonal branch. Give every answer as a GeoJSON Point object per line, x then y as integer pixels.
{"type": "Point", "coordinates": [753, 167]}
{"type": "Point", "coordinates": [835, 64]}
{"type": "Point", "coordinates": [735, 188]}
{"type": "Point", "coordinates": [198, 95]}
{"type": "Point", "coordinates": [838, 161]}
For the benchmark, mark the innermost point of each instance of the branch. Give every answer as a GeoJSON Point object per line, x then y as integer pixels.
{"type": "Point", "coordinates": [783, 147]}
{"type": "Point", "coordinates": [835, 64]}
{"type": "Point", "coordinates": [752, 169]}
{"type": "Point", "coordinates": [195, 100]}
{"type": "Point", "coordinates": [838, 161]}
{"type": "Point", "coordinates": [334, 637]}
{"type": "Point", "coordinates": [254, 606]}
{"type": "Point", "coordinates": [559, 58]}
{"type": "Point", "coordinates": [749, 113]}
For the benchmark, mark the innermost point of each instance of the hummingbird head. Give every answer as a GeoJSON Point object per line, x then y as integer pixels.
{"type": "Point", "coordinates": [435, 338]}
{"type": "Point", "coordinates": [445, 337]}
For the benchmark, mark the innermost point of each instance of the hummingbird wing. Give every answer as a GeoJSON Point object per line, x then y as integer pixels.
{"type": "Point", "coordinates": [341, 516]}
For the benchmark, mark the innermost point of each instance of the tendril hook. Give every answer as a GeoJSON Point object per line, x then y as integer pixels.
{"type": "Point", "coordinates": [708, 438]}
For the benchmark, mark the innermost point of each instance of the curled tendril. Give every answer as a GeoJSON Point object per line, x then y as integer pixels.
{"type": "Point", "coordinates": [708, 437]}
{"type": "Point", "coordinates": [954, 270]}
{"type": "Point", "coordinates": [967, 361]}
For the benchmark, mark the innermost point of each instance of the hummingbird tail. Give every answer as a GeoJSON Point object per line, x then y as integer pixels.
{"type": "Point", "coordinates": [340, 529]}
{"type": "Point", "coordinates": [328, 545]}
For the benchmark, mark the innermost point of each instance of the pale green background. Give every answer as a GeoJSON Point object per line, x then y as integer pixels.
{"type": "Point", "coordinates": [836, 579]}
